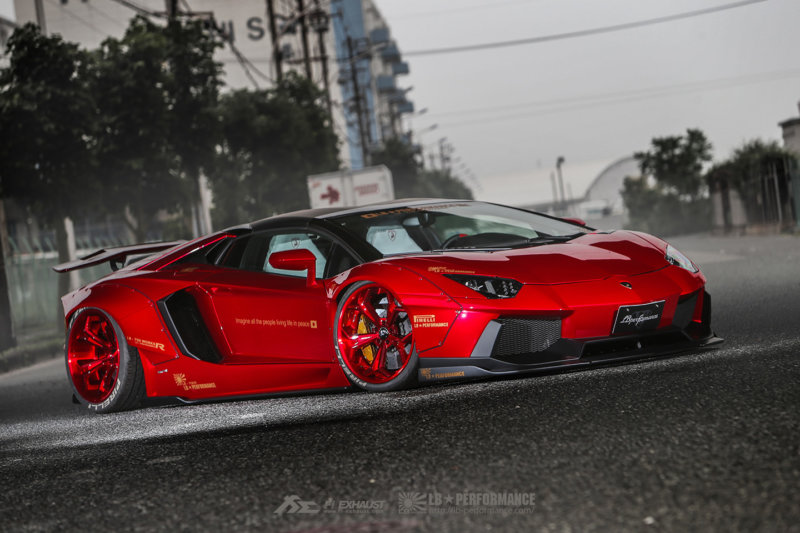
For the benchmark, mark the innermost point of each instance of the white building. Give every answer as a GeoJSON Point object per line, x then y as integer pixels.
{"type": "Point", "coordinates": [369, 62]}
{"type": "Point", "coordinates": [791, 133]}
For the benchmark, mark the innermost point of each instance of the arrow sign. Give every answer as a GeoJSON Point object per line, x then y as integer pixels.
{"type": "Point", "coordinates": [332, 195]}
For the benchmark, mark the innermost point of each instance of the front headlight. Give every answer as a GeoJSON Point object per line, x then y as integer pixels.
{"type": "Point", "coordinates": [490, 287]}
{"type": "Point", "coordinates": [676, 258]}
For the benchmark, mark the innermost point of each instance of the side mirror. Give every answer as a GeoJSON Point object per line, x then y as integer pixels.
{"type": "Point", "coordinates": [573, 220]}
{"type": "Point", "coordinates": [301, 259]}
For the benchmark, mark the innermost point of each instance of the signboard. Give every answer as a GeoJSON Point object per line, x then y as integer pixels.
{"type": "Point", "coordinates": [348, 188]}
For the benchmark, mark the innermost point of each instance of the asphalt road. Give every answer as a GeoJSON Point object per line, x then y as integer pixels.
{"type": "Point", "coordinates": [706, 441]}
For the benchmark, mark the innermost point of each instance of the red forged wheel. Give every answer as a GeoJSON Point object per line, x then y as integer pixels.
{"type": "Point", "coordinates": [105, 373]}
{"type": "Point", "coordinates": [374, 339]}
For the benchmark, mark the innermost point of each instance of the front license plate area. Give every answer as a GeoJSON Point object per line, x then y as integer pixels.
{"type": "Point", "coordinates": [637, 318]}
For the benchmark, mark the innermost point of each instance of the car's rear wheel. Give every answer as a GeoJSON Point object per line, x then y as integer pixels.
{"type": "Point", "coordinates": [374, 338]}
{"type": "Point", "coordinates": [105, 373]}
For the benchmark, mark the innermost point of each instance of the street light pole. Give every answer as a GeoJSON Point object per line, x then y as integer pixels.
{"type": "Point", "coordinates": [40, 16]}
{"type": "Point", "coordinates": [559, 162]}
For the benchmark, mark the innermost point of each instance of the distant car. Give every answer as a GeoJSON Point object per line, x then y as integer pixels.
{"type": "Point", "coordinates": [376, 297]}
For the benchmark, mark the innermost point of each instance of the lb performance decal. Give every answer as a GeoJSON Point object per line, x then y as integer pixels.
{"type": "Point", "coordinates": [427, 374]}
{"type": "Point", "coordinates": [448, 270]}
{"type": "Point", "coordinates": [181, 381]}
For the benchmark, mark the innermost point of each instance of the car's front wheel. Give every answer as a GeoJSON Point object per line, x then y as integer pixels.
{"type": "Point", "coordinates": [374, 338]}
{"type": "Point", "coordinates": [105, 373]}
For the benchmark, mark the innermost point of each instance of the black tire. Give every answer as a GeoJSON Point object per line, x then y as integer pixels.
{"type": "Point", "coordinates": [128, 387]}
{"type": "Point", "coordinates": [405, 379]}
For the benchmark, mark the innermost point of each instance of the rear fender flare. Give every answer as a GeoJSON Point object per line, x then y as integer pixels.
{"type": "Point", "coordinates": [136, 314]}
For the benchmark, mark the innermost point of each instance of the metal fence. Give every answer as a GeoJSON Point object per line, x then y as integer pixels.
{"type": "Point", "coordinates": [33, 285]}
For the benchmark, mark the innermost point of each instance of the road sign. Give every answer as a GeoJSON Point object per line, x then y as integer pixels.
{"type": "Point", "coordinates": [348, 188]}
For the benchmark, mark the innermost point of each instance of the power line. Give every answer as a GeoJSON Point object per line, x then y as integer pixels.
{"type": "Point", "coordinates": [628, 97]}
{"type": "Point", "coordinates": [105, 15]}
{"type": "Point", "coordinates": [79, 19]}
{"type": "Point", "coordinates": [240, 58]}
{"type": "Point", "coordinates": [581, 33]}
{"type": "Point", "coordinates": [139, 9]}
{"type": "Point", "coordinates": [654, 91]}
{"type": "Point", "coordinates": [242, 62]}
{"type": "Point", "coordinates": [492, 5]}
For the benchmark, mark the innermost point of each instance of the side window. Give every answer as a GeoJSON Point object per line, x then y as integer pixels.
{"type": "Point", "coordinates": [253, 251]}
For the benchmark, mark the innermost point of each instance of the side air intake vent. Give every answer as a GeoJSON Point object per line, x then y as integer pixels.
{"type": "Point", "coordinates": [685, 310]}
{"type": "Point", "coordinates": [187, 327]}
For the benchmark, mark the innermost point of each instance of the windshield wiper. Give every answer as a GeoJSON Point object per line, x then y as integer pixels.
{"type": "Point", "coordinates": [545, 239]}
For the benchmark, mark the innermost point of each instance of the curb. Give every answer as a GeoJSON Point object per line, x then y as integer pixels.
{"type": "Point", "coordinates": [28, 354]}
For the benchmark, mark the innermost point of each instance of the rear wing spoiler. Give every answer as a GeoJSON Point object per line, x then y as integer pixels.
{"type": "Point", "coordinates": [116, 256]}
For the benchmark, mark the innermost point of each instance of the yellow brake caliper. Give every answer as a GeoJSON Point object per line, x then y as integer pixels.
{"type": "Point", "coordinates": [368, 351]}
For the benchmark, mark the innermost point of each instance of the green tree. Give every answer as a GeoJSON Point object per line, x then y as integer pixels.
{"type": "Point", "coordinates": [47, 119]}
{"type": "Point", "coordinates": [745, 169]}
{"type": "Point", "coordinates": [670, 195]}
{"type": "Point", "coordinates": [749, 161]}
{"type": "Point", "coordinates": [156, 90]}
{"type": "Point", "coordinates": [134, 153]}
{"type": "Point", "coordinates": [676, 162]}
{"type": "Point", "coordinates": [193, 93]}
{"type": "Point", "coordinates": [271, 141]}
{"type": "Point", "coordinates": [411, 180]}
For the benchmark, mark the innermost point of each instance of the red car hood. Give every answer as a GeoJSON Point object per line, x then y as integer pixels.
{"type": "Point", "coordinates": [590, 257]}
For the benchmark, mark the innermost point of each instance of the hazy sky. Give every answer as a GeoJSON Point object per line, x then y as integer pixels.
{"type": "Point", "coordinates": [511, 112]}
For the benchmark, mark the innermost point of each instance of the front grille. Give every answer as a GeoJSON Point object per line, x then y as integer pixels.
{"type": "Point", "coordinates": [525, 335]}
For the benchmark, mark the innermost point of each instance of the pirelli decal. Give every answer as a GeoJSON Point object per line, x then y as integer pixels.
{"type": "Point", "coordinates": [429, 321]}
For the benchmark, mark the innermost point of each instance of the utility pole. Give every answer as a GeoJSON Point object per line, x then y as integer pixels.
{"type": "Point", "coordinates": [172, 9]}
{"type": "Point", "coordinates": [301, 9]}
{"type": "Point", "coordinates": [273, 32]}
{"type": "Point", "coordinates": [7, 338]}
{"type": "Point", "coordinates": [319, 22]}
{"type": "Point", "coordinates": [444, 154]}
{"type": "Point", "coordinates": [362, 132]}
{"type": "Point", "coordinates": [325, 81]}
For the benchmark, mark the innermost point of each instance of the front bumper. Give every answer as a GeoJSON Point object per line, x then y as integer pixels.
{"type": "Point", "coordinates": [534, 345]}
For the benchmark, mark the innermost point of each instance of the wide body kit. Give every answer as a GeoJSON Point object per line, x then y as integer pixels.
{"type": "Point", "coordinates": [201, 326]}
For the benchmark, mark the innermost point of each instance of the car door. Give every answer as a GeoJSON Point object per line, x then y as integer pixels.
{"type": "Point", "coordinates": [269, 315]}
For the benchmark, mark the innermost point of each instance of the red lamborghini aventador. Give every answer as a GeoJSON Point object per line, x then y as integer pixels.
{"type": "Point", "coordinates": [378, 297]}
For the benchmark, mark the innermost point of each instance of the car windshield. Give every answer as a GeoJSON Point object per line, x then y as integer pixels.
{"type": "Point", "coordinates": [455, 225]}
